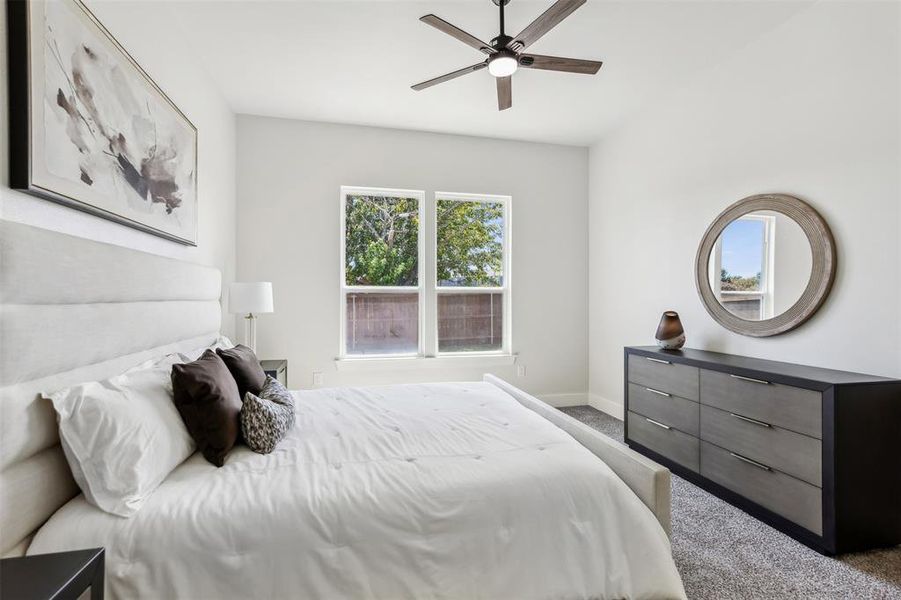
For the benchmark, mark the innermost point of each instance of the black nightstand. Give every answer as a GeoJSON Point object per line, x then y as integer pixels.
{"type": "Point", "coordinates": [60, 576]}
{"type": "Point", "coordinates": [278, 369]}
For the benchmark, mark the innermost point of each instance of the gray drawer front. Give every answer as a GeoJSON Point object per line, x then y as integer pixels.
{"type": "Point", "coordinates": [789, 407]}
{"type": "Point", "coordinates": [672, 410]}
{"type": "Point", "coordinates": [671, 443]}
{"type": "Point", "coordinates": [781, 449]}
{"type": "Point", "coordinates": [792, 498]}
{"type": "Point", "coordinates": [675, 379]}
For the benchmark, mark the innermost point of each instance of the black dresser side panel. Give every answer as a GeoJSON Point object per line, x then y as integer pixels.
{"type": "Point", "coordinates": [867, 465]}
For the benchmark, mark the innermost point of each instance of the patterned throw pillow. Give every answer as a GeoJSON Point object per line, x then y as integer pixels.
{"type": "Point", "coordinates": [267, 418]}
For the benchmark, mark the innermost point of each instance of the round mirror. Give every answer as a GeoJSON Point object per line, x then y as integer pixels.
{"type": "Point", "coordinates": [765, 265]}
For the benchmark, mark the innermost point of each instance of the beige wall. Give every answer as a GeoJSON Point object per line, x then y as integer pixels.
{"type": "Point", "coordinates": [289, 177]}
{"type": "Point", "coordinates": [170, 61]}
{"type": "Point", "coordinates": [810, 109]}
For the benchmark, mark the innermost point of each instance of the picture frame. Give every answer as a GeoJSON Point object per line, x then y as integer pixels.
{"type": "Point", "coordinates": [90, 129]}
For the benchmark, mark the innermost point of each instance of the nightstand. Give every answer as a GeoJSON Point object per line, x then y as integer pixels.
{"type": "Point", "coordinates": [277, 368]}
{"type": "Point", "coordinates": [60, 576]}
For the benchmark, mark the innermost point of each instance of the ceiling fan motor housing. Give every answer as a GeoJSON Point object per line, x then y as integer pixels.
{"type": "Point", "coordinates": [501, 41]}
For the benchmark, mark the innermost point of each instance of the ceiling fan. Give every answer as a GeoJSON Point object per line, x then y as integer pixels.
{"type": "Point", "coordinates": [505, 53]}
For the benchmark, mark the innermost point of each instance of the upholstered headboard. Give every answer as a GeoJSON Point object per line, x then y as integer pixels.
{"type": "Point", "coordinates": [74, 310]}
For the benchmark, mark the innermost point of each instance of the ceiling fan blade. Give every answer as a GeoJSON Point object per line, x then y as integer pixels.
{"type": "Point", "coordinates": [504, 92]}
{"type": "Point", "coordinates": [449, 76]}
{"type": "Point", "coordinates": [547, 21]}
{"type": "Point", "coordinates": [556, 63]}
{"type": "Point", "coordinates": [454, 31]}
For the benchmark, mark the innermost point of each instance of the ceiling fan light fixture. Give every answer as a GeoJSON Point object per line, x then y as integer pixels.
{"type": "Point", "coordinates": [502, 64]}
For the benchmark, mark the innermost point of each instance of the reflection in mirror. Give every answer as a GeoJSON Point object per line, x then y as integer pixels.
{"type": "Point", "coordinates": [760, 265]}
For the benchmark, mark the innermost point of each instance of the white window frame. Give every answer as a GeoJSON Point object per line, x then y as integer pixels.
{"type": "Point", "coordinates": [505, 289]}
{"type": "Point", "coordinates": [427, 288]}
{"type": "Point", "coordinates": [767, 260]}
{"type": "Point", "coordinates": [346, 191]}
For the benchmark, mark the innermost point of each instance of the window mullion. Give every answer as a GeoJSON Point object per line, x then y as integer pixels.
{"type": "Point", "coordinates": [429, 332]}
{"type": "Point", "coordinates": [507, 299]}
{"type": "Point", "coordinates": [342, 272]}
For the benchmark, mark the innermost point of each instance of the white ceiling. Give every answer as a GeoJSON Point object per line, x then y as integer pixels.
{"type": "Point", "coordinates": [354, 62]}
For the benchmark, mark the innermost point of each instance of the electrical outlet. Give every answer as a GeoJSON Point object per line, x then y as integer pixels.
{"type": "Point", "coordinates": [317, 378]}
{"type": "Point", "coordinates": [520, 370]}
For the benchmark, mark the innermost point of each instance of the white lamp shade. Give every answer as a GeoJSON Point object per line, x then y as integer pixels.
{"type": "Point", "coordinates": [253, 297]}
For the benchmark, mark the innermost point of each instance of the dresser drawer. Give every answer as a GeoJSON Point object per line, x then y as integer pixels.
{"type": "Point", "coordinates": [655, 373]}
{"type": "Point", "coordinates": [785, 406]}
{"type": "Point", "coordinates": [792, 498]}
{"type": "Point", "coordinates": [784, 450]}
{"type": "Point", "coordinates": [671, 443]}
{"type": "Point", "coordinates": [676, 412]}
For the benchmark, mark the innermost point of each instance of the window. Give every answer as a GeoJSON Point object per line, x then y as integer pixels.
{"type": "Point", "coordinates": [382, 272]}
{"type": "Point", "coordinates": [471, 274]}
{"type": "Point", "coordinates": [742, 269]}
{"type": "Point", "coordinates": [390, 308]}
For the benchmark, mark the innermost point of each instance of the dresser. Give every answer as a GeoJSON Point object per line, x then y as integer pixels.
{"type": "Point", "coordinates": [815, 453]}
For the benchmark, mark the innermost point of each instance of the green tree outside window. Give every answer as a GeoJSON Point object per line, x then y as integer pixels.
{"type": "Point", "coordinates": [382, 242]}
{"type": "Point", "coordinates": [470, 243]}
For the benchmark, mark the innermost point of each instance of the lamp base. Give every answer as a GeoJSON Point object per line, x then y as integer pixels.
{"type": "Point", "coordinates": [250, 332]}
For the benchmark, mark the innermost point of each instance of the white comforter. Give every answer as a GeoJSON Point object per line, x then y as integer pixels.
{"type": "Point", "coordinates": [406, 491]}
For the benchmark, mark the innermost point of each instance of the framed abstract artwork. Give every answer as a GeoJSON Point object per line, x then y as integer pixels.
{"type": "Point", "coordinates": [90, 129]}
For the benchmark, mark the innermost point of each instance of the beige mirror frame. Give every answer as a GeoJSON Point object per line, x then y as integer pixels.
{"type": "Point", "coordinates": [822, 273]}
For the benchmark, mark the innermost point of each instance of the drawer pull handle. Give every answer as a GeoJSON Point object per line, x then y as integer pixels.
{"type": "Point", "coordinates": [751, 379]}
{"type": "Point", "coordinates": [658, 392]}
{"type": "Point", "coordinates": [658, 360]}
{"type": "Point", "coordinates": [751, 462]}
{"type": "Point", "coordinates": [750, 420]}
{"type": "Point", "coordinates": [658, 424]}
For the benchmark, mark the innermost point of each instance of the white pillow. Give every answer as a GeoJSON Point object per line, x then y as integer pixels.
{"type": "Point", "coordinates": [122, 436]}
{"type": "Point", "coordinates": [221, 342]}
{"type": "Point", "coordinates": [159, 362]}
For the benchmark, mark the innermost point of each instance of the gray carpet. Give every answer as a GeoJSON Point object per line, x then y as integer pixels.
{"type": "Point", "coordinates": [723, 553]}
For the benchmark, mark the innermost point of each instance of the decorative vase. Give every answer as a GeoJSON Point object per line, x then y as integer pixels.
{"type": "Point", "coordinates": [670, 335]}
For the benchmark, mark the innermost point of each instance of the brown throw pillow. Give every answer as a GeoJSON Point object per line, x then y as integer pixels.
{"type": "Point", "coordinates": [245, 368]}
{"type": "Point", "coordinates": [207, 399]}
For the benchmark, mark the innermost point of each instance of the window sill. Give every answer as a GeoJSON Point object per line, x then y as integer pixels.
{"type": "Point", "coordinates": [407, 363]}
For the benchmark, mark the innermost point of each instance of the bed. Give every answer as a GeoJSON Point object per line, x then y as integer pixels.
{"type": "Point", "coordinates": [456, 490]}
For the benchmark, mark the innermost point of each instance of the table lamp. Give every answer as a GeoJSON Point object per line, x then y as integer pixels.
{"type": "Point", "coordinates": [251, 299]}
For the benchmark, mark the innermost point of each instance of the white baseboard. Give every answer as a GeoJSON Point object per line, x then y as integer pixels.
{"type": "Point", "coordinates": [614, 409]}
{"type": "Point", "coordinates": [561, 400]}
